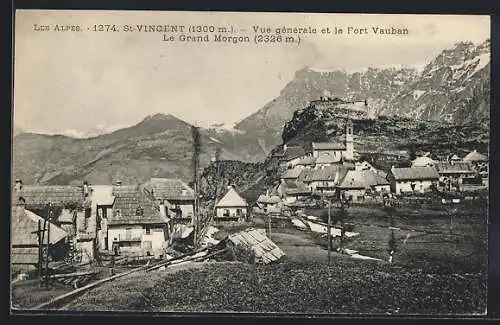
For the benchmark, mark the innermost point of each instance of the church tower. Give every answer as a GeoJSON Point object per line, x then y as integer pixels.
{"type": "Point", "coordinates": [349, 141]}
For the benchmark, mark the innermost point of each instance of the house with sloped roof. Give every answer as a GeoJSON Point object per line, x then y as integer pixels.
{"type": "Point", "coordinates": [412, 179]}
{"type": "Point", "coordinates": [327, 178]}
{"type": "Point", "coordinates": [231, 207]}
{"type": "Point", "coordinates": [357, 183]}
{"type": "Point", "coordinates": [62, 203]}
{"type": "Point", "coordinates": [479, 163]}
{"type": "Point", "coordinates": [334, 149]}
{"type": "Point", "coordinates": [306, 162]}
{"type": "Point", "coordinates": [176, 196]}
{"type": "Point", "coordinates": [452, 174]}
{"type": "Point", "coordinates": [291, 174]}
{"type": "Point", "coordinates": [268, 201]}
{"type": "Point", "coordinates": [291, 156]}
{"type": "Point", "coordinates": [137, 225]}
{"type": "Point", "coordinates": [25, 241]}
{"type": "Point", "coordinates": [423, 161]}
{"type": "Point", "coordinates": [475, 156]}
{"type": "Point", "coordinates": [290, 191]}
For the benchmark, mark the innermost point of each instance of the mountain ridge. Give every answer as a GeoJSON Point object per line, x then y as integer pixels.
{"type": "Point", "coordinates": [452, 88]}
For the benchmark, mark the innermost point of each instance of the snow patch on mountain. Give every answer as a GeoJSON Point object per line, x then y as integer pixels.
{"type": "Point", "coordinates": [484, 59]}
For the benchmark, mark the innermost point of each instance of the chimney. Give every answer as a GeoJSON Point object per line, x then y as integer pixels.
{"type": "Point", "coordinates": [285, 147]}
{"type": "Point", "coordinates": [162, 208]}
{"type": "Point", "coordinates": [183, 192]}
{"type": "Point", "coordinates": [18, 185]}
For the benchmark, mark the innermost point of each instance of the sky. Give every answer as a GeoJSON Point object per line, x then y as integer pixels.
{"type": "Point", "coordinates": [85, 81]}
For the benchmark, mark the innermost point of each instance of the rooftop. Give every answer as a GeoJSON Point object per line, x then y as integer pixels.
{"type": "Point", "coordinates": [291, 173]}
{"type": "Point", "coordinates": [415, 173]}
{"type": "Point", "coordinates": [291, 188]}
{"type": "Point", "coordinates": [328, 159]}
{"type": "Point", "coordinates": [456, 167]}
{"type": "Point", "coordinates": [307, 161]}
{"type": "Point", "coordinates": [25, 226]}
{"type": "Point", "coordinates": [231, 199]}
{"type": "Point", "coordinates": [39, 196]}
{"type": "Point", "coordinates": [169, 189]}
{"type": "Point", "coordinates": [134, 206]}
{"type": "Point", "coordinates": [328, 146]}
{"type": "Point", "coordinates": [358, 179]}
{"type": "Point", "coordinates": [475, 156]}
{"type": "Point", "coordinates": [293, 152]}
{"type": "Point", "coordinates": [270, 199]}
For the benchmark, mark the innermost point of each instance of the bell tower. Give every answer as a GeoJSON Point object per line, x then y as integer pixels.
{"type": "Point", "coordinates": [349, 140]}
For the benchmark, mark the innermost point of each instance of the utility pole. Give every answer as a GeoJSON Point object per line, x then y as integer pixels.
{"type": "Point", "coordinates": [269, 223]}
{"type": "Point", "coordinates": [342, 228]}
{"type": "Point", "coordinates": [40, 245]}
{"type": "Point", "coordinates": [195, 132]}
{"type": "Point", "coordinates": [329, 231]}
{"type": "Point", "coordinates": [47, 273]}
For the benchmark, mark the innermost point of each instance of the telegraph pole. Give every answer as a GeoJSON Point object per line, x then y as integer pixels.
{"type": "Point", "coordinates": [329, 230]}
{"type": "Point", "coordinates": [342, 228]}
{"type": "Point", "coordinates": [195, 132]}
{"type": "Point", "coordinates": [269, 223]}
{"type": "Point", "coordinates": [40, 245]}
{"type": "Point", "coordinates": [47, 273]}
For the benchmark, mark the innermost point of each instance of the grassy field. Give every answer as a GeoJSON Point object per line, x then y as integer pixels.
{"type": "Point", "coordinates": [345, 287]}
{"type": "Point", "coordinates": [433, 272]}
{"type": "Point", "coordinates": [423, 238]}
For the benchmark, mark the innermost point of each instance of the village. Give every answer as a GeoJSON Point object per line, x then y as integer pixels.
{"type": "Point", "coordinates": [76, 236]}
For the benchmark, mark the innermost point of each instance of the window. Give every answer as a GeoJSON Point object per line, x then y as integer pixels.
{"type": "Point", "coordinates": [238, 212]}
{"type": "Point", "coordinates": [148, 230]}
{"type": "Point", "coordinates": [226, 213]}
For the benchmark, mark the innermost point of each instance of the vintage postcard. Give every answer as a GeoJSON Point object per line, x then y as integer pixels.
{"type": "Point", "coordinates": [239, 162]}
